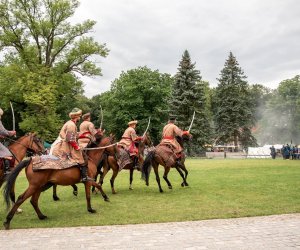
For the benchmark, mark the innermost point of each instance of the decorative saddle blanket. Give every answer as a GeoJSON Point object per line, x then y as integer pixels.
{"type": "Point", "coordinates": [166, 153]}
{"type": "Point", "coordinates": [50, 162]}
{"type": "Point", "coordinates": [123, 159]}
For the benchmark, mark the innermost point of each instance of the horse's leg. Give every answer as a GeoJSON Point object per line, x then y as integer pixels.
{"type": "Point", "coordinates": [93, 183]}
{"type": "Point", "coordinates": [29, 191]}
{"type": "Point", "coordinates": [182, 166]}
{"type": "Point", "coordinates": [54, 196]}
{"type": "Point", "coordinates": [167, 170]}
{"type": "Point", "coordinates": [115, 169]}
{"type": "Point", "coordinates": [155, 168]}
{"type": "Point", "coordinates": [131, 178]}
{"type": "Point", "coordinates": [87, 186]}
{"type": "Point", "coordinates": [75, 190]}
{"type": "Point", "coordinates": [93, 188]}
{"type": "Point", "coordinates": [34, 202]}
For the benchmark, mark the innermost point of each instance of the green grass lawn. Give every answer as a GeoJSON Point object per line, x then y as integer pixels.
{"type": "Point", "coordinates": [218, 189]}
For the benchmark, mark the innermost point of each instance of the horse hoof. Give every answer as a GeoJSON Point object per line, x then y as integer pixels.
{"type": "Point", "coordinates": [106, 199]}
{"type": "Point", "coordinates": [186, 184]}
{"type": "Point", "coordinates": [114, 192]}
{"type": "Point", "coordinates": [55, 198]}
{"type": "Point", "coordinates": [92, 211]}
{"type": "Point", "coordinates": [19, 210]}
{"type": "Point", "coordinates": [75, 193]}
{"type": "Point", "coordinates": [170, 187]}
{"type": "Point", "coordinates": [161, 191]}
{"type": "Point", "coordinates": [43, 217]}
{"type": "Point", "coordinates": [6, 225]}
{"type": "Point", "coordinates": [182, 184]}
{"type": "Point", "coordinates": [130, 188]}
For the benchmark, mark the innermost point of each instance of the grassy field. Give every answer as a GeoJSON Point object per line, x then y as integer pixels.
{"type": "Point", "coordinates": [218, 189]}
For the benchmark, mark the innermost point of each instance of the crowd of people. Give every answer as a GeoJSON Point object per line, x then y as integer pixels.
{"type": "Point", "coordinates": [287, 151]}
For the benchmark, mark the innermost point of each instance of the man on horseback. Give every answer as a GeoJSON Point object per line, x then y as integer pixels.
{"type": "Point", "coordinates": [170, 131]}
{"type": "Point", "coordinates": [67, 147]}
{"type": "Point", "coordinates": [87, 131]}
{"type": "Point", "coordinates": [5, 154]}
{"type": "Point", "coordinates": [129, 140]}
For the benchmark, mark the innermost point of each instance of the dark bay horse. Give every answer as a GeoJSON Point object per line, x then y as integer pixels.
{"type": "Point", "coordinates": [41, 180]}
{"type": "Point", "coordinates": [27, 143]}
{"type": "Point", "coordinates": [111, 162]}
{"type": "Point", "coordinates": [164, 155]}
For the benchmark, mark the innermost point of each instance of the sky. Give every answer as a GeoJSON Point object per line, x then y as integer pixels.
{"type": "Point", "coordinates": [264, 36]}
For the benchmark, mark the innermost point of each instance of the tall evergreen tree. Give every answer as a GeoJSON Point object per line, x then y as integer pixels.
{"type": "Point", "coordinates": [234, 115]}
{"type": "Point", "coordinates": [189, 94]}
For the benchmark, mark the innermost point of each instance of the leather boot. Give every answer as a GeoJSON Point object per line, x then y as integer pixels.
{"type": "Point", "coordinates": [6, 167]}
{"type": "Point", "coordinates": [84, 173]}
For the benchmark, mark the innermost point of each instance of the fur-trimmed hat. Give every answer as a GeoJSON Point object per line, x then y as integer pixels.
{"type": "Point", "coordinates": [132, 122]}
{"type": "Point", "coordinates": [76, 112]}
{"type": "Point", "coordinates": [86, 116]}
{"type": "Point", "coordinates": [172, 117]}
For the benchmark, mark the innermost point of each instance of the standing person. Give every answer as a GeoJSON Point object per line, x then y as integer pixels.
{"type": "Point", "coordinates": [273, 152]}
{"type": "Point", "coordinates": [87, 131]}
{"type": "Point", "coordinates": [170, 131]}
{"type": "Point", "coordinates": [66, 146]}
{"type": "Point", "coordinates": [129, 140]}
{"type": "Point", "coordinates": [5, 154]}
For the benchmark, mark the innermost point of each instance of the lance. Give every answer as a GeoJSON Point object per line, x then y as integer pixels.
{"type": "Point", "coordinates": [192, 122]}
{"type": "Point", "coordinates": [13, 116]}
{"type": "Point", "coordinates": [101, 118]}
{"type": "Point", "coordinates": [147, 127]}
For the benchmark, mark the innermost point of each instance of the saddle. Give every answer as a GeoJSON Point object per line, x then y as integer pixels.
{"type": "Point", "coordinates": [123, 158]}
{"type": "Point", "coordinates": [166, 152]}
{"type": "Point", "coordinates": [50, 162]}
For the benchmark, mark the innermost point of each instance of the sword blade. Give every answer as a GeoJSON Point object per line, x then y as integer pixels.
{"type": "Point", "coordinates": [192, 122]}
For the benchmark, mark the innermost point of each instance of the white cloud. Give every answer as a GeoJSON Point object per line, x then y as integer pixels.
{"type": "Point", "coordinates": [263, 35]}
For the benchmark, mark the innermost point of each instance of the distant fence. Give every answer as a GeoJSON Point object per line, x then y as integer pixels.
{"type": "Point", "coordinates": [234, 155]}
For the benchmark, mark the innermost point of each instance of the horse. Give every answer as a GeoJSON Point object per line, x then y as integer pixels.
{"type": "Point", "coordinates": [19, 148]}
{"type": "Point", "coordinates": [165, 156]}
{"type": "Point", "coordinates": [43, 179]}
{"type": "Point", "coordinates": [111, 162]}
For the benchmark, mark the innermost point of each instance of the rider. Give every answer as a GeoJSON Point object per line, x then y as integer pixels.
{"type": "Point", "coordinates": [4, 152]}
{"type": "Point", "coordinates": [87, 131]}
{"type": "Point", "coordinates": [129, 140]}
{"type": "Point", "coordinates": [67, 147]}
{"type": "Point", "coordinates": [170, 131]}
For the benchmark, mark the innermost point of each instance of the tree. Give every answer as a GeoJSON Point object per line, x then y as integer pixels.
{"type": "Point", "coordinates": [234, 115]}
{"type": "Point", "coordinates": [189, 94]}
{"type": "Point", "coordinates": [281, 119]}
{"type": "Point", "coordinates": [137, 94]}
{"type": "Point", "coordinates": [42, 53]}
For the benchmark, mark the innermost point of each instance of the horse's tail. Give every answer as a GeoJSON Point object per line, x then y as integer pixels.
{"type": "Point", "coordinates": [11, 179]}
{"type": "Point", "coordinates": [146, 169]}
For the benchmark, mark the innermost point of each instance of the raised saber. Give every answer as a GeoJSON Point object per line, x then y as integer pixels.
{"type": "Point", "coordinates": [101, 121]}
{"type": "Point", "coordinates": [13, 115]}
{"type": "Point", "coordinates": [192, 122]}
{"type": "Point", "coordinates": [147, 127]}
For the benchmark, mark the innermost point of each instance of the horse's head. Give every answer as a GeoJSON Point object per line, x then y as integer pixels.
{"type": "Point", "coordinates": [32, 143]}
{"type": "Point", "coordinates": [147, 140]}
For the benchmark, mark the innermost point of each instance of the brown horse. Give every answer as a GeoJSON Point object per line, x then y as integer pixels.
{"type": "Point", "coordinates": [27, 143]}
{"type": "Point", "coordinates": [165, 156]}
{"type": "Point", "coordinates": [41, 180]}
{"type": "Point", "coordinates": [111, 162]}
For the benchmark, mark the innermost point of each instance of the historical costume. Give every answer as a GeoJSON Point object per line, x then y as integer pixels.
{"type": "Point", "coordinates": [87, 131]}
{"type": "Point", "coordinates": [170, 131]}
{"type": "Point", "coordinates": [66, 147]}
{"type": "Point", "coordinates": [129, 140]}
{"type": "Point", "coordinates": [5, 154]}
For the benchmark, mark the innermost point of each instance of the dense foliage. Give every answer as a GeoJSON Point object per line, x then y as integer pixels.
{"type": "Point", "coordinates": [42, 52]}
{"type": "Point", "coordinates": [234, 115]}
{"type": "Point", "coordinates": [189, 94]}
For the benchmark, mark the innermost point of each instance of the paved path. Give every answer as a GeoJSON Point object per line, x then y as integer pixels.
{"type": "Point", "coordinates": [266, 232]}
